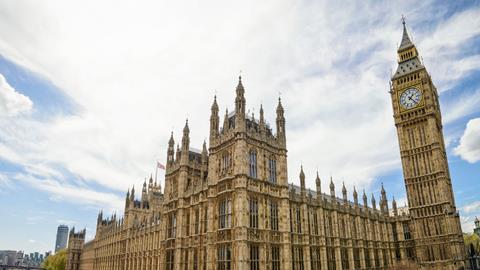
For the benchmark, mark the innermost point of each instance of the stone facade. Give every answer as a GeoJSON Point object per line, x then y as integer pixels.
{"type": "Point", "coordinates": [231, 207]}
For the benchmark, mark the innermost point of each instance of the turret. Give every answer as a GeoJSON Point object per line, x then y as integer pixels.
{"type": "Point", "coordinates": [344, 193]}
{"type": "Point", "coordinates": [319, 186]}
{"type": "Point", "coordinates": [214, 120]}
{"type": "Point", "coordinates": [171, 151]}
{"type": "Point", "coordinates": [150, 182]}
{"type": "Point", "coordinates": [280, 122]}
{"type": "Point", "coordinates": [332, 188]}
{"type": "Point", "coordinates": [240, 106]}
{"type": "Point", "coordinates": [302, 182]}
{"type": "Point", "coordinates": [355, 196]}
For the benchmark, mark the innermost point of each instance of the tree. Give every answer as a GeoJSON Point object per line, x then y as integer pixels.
{"type": "Point", "coordinates": [472, 239]}
{"type": "Point", "coordinates": [57, 261]}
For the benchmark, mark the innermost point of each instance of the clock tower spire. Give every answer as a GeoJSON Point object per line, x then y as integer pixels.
{"type": "Point", "coordinates": [438, 235]}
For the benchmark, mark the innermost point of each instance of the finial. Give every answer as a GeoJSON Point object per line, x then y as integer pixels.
{"type": "Point", "coordinates": [403, 20]}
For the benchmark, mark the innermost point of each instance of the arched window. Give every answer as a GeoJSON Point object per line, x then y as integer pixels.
{"type": "Point", "coordinates": [252, 163]}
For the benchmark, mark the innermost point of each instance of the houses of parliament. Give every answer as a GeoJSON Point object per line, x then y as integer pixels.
{"type": "Point", "coordinates": [230, 205]}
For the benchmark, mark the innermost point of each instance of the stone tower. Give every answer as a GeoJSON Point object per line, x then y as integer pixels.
{"type": "Point", "coordinates": [436, 223]}
{"type": "Point", "coordinates": [74, 248]}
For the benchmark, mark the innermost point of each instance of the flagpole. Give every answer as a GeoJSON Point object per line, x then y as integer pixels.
{"type": "Point", "coordinates": [156, 170]}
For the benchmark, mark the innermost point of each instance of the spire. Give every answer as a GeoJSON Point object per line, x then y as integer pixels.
{"type": "Point", "coordinates": [214, 105]}
{"type": "Point", "coordinates": [302, 179]}
{"type": "Point", "coordinates": [171, 141]}
{"type": "Point", "coordinates": [214, 121]}
{"type": "Point", "coordinates": [150, 181]}
{"type": "Point", "coordinates": [374, 204]}
{"type": "Point", "coordinates": [127, 198]}
{"type": "Point", "coordinates": [132, 195]}
{"type": "Point", "coordinates": [280, 123]}
{"type": "Point", "coordinates": [318, 184]}
{"type": "Point", "coordinates": [332, 187]}
{"type": "Point", "coordinates": [365, 201]}
{"type": "Point", "coordinates": [344, 192]}
{"type": "Point", "coordinates": [406, 42]}
{"type": "Point", "coordinates": [225, 120]}
{"type": "Point", "coordinates": [240, 89]}
{"type": "Point", "coordinates": [240, 107]}
{"type": "Point", "coordinates": [186, 138]}
{"type": "Point", "coordinates": [355, 196]}
{"type": "Point", "coordinates": [394, 206]}
{"type": "Point", "coordinates": [262, 119]}
{"type": "Point", "coordinates": [171, 150]}
{"type": "Point", "coordinates": [280, 109]}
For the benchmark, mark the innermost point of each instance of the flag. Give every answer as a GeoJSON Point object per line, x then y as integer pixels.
{"type": "Point", "coordinates": [160, 166]}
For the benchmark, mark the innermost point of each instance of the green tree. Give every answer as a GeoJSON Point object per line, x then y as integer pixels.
{"type": "Point", "coordinates": [472, 239]}
{"type": "Point", "coordinates": [57, 261]}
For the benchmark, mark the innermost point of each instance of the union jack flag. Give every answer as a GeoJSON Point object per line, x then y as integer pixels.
{"type": "Point", "coordinates": [160, 166]}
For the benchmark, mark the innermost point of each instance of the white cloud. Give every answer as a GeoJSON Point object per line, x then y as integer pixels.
{"type": "Point", "coordinates": [73, 194]}
{"type": "Point", "coordinates": [469, 147]}
{"type": "Point", "coordinates": [12, 102]}
{"type": "Point", "coordinates": [472, 207]}
{"type": "Point", "coordinates": [136, 71]}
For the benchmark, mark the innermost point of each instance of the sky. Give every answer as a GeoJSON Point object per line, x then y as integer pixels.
{"type": "Point", "coordinates": [90, 91]}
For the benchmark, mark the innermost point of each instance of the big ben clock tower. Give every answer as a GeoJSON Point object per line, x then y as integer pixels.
{"type": "Point", "coordinates": [434, 218]}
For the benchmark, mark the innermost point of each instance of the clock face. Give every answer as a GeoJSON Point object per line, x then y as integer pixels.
{"type": "Point", "coordinates": [410, 98]}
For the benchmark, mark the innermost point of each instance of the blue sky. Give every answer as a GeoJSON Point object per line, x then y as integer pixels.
{"type": "Point", "coordinates": [87, 105]}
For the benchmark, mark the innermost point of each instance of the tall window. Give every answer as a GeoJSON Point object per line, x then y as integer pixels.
{"type": "Point", "coordinates": [170, 259]}
{"type": "Point", "coordinates": [406, 231]}
{"type": "Point", "coordinates": [185, 260]}
{"type": "Point", "coordinates": [224, 257]}
{"type": "Point", "coordinates": [197, 220]}
{"type": "Point", "coordinates": [299, 220]}
{"type": "Point", "coordinates": [315, 262]}
{"type": "Point", "coordinates": [272, 170]}
{"type": "Point", "coordinates": [225, 213]}
{"type": "Point", "coordinates": [195, 259]}
{"type": "Point", "coordinates": [274, 216]}
{"type": "Point", "coordinates": [297, 258]}
{"type": "Point", "coordinates": [252, 163]}
{"type": "Point", "coordinates": [187, 225]}
{"type": "Point", "coordinates": [253, 206]}
{"type": "Point", "coordinates": [315, 223]}
{"type": "Point", "coordinates": [205, 216]}
{"type": "Point", "coordinates": [172, 226]}
{"type": "Point", "coordinates": [275, 258]}
{"type": "Point", "coordinates": [226, 161]}
{"type": "Point", "coordinates": [254, 258]}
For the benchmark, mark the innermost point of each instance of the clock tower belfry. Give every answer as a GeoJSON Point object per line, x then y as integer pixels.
{"type": "Point", "coordinates": [434, 218]}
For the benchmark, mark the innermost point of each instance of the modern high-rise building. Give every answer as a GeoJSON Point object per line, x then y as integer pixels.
{"type": "Point", "coordinates": [62, 237]}
{"type": "Point", "coordinates": [233, 205]}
